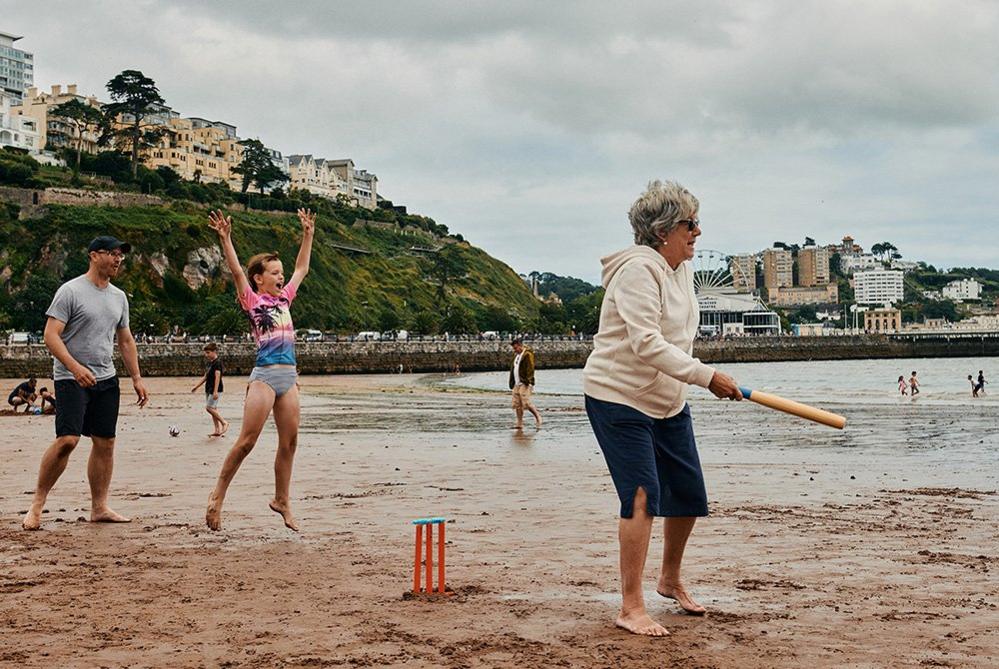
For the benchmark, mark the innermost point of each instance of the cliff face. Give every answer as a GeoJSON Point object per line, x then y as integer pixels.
{"type": "Point", "coordinates": [363, 277]}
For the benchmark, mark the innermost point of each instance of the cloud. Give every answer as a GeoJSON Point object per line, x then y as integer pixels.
{"type": "Point", "coordinates": [530, 127]}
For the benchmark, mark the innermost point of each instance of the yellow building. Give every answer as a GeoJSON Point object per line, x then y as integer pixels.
{"type": "Point", "coordinates": [813, 266]}
{"type": "Point", "coordinates": [801, 295]}
{"type": "Point", "coordinates": [777, 269]}
{"type": "Point", "coordinates": [198, 150]}
{"type": "Point", "coordinates": [52, 132]}
{"type": "Point", "coordinates": [882, 320]}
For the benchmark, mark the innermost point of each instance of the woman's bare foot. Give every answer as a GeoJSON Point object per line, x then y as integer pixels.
{"type": "Point", "coordinates": [33, 518]}
{"type": "Point", "coordinates": [106, 515]}
{"type": "Point", "coordinates": [640, 623]}
{"type": "Point", "coordinates": [213, 516]}
{"type": "Point", "coordinates": [677, 592]}
{"type": "Point", "coordinates": [285, 511]}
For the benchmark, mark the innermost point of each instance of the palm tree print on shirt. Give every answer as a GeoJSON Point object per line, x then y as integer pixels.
{"type": "Point", "coordinates": [264, 316]}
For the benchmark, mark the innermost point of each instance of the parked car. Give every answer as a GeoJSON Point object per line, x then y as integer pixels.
{"type": "Point", "coordinates": [369, 336]}
{"type": "Point", "coordinates": [19, 338]}
{"type": "Point", "coordinates": [310, 335]}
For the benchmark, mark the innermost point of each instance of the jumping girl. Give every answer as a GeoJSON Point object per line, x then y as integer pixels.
{"type": "Point", "coordinates": [266, 298]}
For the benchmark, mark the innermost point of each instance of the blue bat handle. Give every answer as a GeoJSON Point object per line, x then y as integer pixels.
{"type": "Point", "coordinates": [746, 392]}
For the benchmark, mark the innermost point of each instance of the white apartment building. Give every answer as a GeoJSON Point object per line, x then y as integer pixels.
{"type": "Point", "coordinates": [880, 286]}
{"type": "Point", "coordinates": [849, 264]}
{"type": "Point", "coordinates": [330, 178]}
{"type": "Point", "coordinates": [15, 130]}
{"type": "Point", "coordinates": [963, 289]}
{"type": "Point", "coordinates": [17, 68]}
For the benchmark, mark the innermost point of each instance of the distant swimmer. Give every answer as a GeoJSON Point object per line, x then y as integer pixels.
{"type": "Point", "coordinates": [902, 385]}
{"type": "Point", "coordinates": [974, 386]}
{"type": "Point", "coordinates": [913, 385]}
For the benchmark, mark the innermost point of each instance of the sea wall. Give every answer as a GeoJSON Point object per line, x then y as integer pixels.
{"type": "Point", "coordinates": [159, 359]}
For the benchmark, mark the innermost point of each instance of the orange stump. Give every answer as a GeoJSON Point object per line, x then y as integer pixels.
{"type": "Point", "coordinates": [427, 552]}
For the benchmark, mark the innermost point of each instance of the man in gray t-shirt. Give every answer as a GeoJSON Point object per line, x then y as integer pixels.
{"type": "Point", "coordinates": [85, 316]}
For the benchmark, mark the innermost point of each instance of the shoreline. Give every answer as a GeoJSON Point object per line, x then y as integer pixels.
{"type": "Point", "coordinates": [414, 356]}
{"type": "Point", "coordinates": [822, 549]}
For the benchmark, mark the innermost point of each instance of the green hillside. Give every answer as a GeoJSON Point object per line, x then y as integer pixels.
{"type": "Point", "coordinates": [393, 285]}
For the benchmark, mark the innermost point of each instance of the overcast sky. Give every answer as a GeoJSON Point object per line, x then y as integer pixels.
{"type": "Point", "coordinates": [530, 127]}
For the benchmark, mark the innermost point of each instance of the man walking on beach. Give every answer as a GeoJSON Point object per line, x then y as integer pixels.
{"type": "Point", "coordinates": [522, 383]}
{"type": "Point", "coordinates": [84, 317]}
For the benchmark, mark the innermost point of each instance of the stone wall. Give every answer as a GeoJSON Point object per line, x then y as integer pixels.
{"type": "Point", "coordinates": [438, 356]}
{"type": "Point", "coordinates": [32, 200]}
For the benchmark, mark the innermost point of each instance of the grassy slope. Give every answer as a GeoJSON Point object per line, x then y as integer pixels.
{"type": "Point", "coordinates": [346, 292]}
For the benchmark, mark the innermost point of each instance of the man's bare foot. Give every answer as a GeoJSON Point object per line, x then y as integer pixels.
{"type": "Point", "coordinates": [213, 515]}
{"type": "Point", "coordinates": [641, 623]}
{"type": "Point", "coordinates": [516, 427]}
{"type": "Point", "coordinates": [33, 518]}
{"type": "Point", "coordinates": [537, 422]}
{"type": "Point", "coordinates": [285, 511]}
{"type": "Point", "coordinates": [225, 426]}
{"type": "Point", "coordinates": [677, 592]}
{"type": "Point", "coordinates": [106, 515]}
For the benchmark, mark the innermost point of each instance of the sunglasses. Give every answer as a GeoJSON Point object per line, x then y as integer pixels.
{"type": "Point", "coordinates": [691, 223]}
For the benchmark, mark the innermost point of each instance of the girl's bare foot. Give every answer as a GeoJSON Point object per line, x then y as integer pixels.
{"type": "Point", "coordinates": [213, 516]}
{"type": "Point", "coordinates": [285, 511]}
{"type": "Point", "coordinates": [677, 592]}
{"type": "Point", "coordinates": [640, 623]}
{"type": "Point", "coordinates": [106, 515]}
{"type": "Point", "coordinates": [225, 426]}
{"type": "Point", "coordinates": [33, 518]}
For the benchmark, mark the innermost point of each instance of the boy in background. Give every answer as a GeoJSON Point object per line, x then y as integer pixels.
{"type": "Point", "coordinates": [212, 381]}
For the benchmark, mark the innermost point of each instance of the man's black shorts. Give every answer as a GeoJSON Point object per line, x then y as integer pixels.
{"type": "Point", "coordinates": [91, 412]}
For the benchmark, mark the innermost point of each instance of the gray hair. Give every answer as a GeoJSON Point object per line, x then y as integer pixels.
{"type": "Point", "coordinates": [658, 210]}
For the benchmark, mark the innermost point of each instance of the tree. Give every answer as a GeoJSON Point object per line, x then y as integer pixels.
{"type": "Point", "coordinates": [126, 119]}
{"type": "Point", "coordinates": [459, 320]}
{"type": "Point", "coordinates": [82, 117]}
{"type": "Point", "coordinates": [257, 167]}
{"type": "Point", "coordinates": [449, 264]}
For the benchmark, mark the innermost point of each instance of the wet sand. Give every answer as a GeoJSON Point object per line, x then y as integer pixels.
{"type": "Point", "coordinates": [875, 547]}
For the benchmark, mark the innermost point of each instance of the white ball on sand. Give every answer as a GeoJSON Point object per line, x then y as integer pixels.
{"type": "Point", "coordinates": [174, 430]}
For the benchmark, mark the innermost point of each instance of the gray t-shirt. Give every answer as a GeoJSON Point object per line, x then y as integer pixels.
{"type": "Point", "coordinates": [92, 316]}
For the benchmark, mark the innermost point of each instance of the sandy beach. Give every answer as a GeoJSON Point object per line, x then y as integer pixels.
{"type": "Point", "coordinates": [872, 547]}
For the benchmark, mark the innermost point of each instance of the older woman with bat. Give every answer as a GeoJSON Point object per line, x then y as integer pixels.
{"type": "Point", "coordinates": [636, 386]}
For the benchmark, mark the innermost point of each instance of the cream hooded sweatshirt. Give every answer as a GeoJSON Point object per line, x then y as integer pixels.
{"type": "Point", "coordinates": [642, 353]}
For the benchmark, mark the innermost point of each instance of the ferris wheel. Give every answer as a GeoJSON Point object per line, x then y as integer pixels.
{"type": "Point", "coordinates": [711, 271]}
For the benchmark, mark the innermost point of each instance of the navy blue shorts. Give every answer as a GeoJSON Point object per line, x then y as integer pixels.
{"type": "Point", "coordinates": [658, 455]}
{"type": "Point", "coordinates": [91, 412]}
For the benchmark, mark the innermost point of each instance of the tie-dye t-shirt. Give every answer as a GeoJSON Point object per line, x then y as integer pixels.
{"type": "Point", "coordinates": [270, 319]}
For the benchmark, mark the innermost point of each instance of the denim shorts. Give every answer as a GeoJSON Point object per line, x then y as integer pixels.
{"type": "Point", "coordinates": [658, 455]}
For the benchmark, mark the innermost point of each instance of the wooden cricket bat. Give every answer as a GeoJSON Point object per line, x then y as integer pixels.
{"type": "Point", "coordinates": [794, 408]}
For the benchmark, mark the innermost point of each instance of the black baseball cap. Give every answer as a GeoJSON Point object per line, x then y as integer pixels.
{"type": "Point", "coordinates": [108, 243]}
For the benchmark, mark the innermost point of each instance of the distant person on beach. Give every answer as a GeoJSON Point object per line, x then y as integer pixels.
{"type": "Point", "coordinates": [981, 382]}
{"type": "Point", "coordinates": [913, 385]}
{"type": "Point", "coordinates": [635, 382]}
{"type": "Point", "coordinates": [23, 395]}
{"type": "Point", "coordinates": [212, 380]}
{"type": "Point", "coordinates": [974, 386]}
{"type": "Point", "coordinates": [273, 385]}
{"type": "Point", "coordinates": [522, 383]}
{"type": "Point", "coordinates": [86, 315]}
{"type": "Point", "coordinates": [902, 385]}
{"type": "Point", "coordinates": [46, 397]}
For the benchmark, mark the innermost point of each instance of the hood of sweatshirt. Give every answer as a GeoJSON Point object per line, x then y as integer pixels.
{"type": "Point", "coordinates": [615, 261]}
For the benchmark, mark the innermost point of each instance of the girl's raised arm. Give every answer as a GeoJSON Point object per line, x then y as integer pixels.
{"type": "Point", "coordinates": [308, 221]}
{"type": "Point", "coordinates": [222, 224]}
